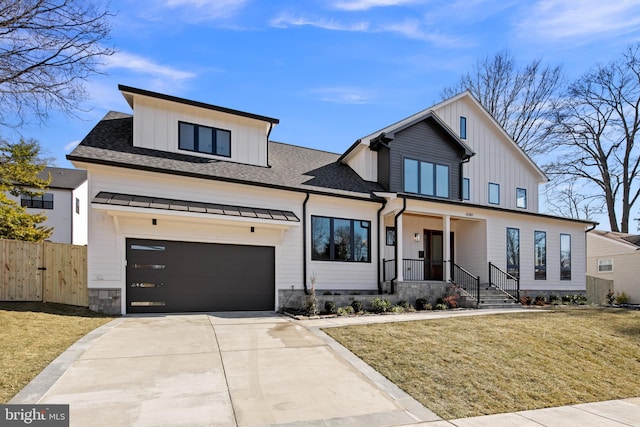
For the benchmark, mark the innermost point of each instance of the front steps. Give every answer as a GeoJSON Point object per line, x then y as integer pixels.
{"type": "Point", "coordinates": [492, 298]}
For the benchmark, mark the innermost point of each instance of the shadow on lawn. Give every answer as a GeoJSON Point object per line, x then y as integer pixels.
{"type": "Point", "coordinates": [50, 308]}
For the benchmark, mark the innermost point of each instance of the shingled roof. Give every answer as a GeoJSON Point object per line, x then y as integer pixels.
{"type": "Point", "coordinates": [296, 168]}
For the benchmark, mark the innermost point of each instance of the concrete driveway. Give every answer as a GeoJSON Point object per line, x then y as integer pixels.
{"type": "Point", "coordinates": [235, 369]}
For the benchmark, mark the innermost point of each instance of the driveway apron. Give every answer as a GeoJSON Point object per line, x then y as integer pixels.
{"type": "Point", "coordinates": [222, 369]}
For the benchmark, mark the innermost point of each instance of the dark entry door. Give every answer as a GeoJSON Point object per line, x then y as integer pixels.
{"type": "Point", "coordinates": [434, 254]}
{"type": "Point", "coordinates": [168, 276]}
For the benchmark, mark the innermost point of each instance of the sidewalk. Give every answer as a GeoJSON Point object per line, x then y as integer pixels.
{"type": "Point", "coordinates": [613, 413]}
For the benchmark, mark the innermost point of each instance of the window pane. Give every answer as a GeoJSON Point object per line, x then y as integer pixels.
{"type": "Point", "coordinates": [494, 193]}
{"type": "Point", "coordinates": [513, 252]}
{"type": "Point", "coordinates": [186, 137]}
{"type": "Point", "coordinates": [540, 255]}
{"type": "Point", "coordinates": [442, 181]}
{"type": "Point", "coordinates": [320, 233]}
{"type": "Point", "coordinates": [605, 265]}
{"type": "Point", "coordinates": [361, 241]}
{"type": "Point", "coordinates": [465, 188]}
{"type": "Point", "coordinates": [410, 176]}
{"type": "Point", "coordinates": [565, 257]}
{"type": "Point", "coordinates": [342, 239]}
{"type": "Point", "coordinates": [426, 179]}
{"type": "Point", "coordinates": [463, 127]}
{"type": "Point", "coordinates": [521, 197]}
{"type": "Point", "coordinates": [223, 143]}
{"type": "Point", "coordinates": [205, 139]}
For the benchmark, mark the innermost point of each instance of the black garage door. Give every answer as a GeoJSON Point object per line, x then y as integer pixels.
{"type": "Point", "coordinates": [166, 276]}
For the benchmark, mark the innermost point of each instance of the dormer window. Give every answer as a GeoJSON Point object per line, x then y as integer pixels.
{"type": "Point", "coordinates": [204, 139]}
{"type": "Point", "coordinates": [426, 178]}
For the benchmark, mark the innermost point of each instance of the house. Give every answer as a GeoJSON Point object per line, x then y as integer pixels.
{"type": "Point", "coordinates": [64, 202]}
{"type": "Point", "coordinates": [193, 208]}
{"type": "Point", "coordinates": [615, 256]}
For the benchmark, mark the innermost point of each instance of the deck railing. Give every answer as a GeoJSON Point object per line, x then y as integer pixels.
{"type": "Point", "coordinates": [414, 270]}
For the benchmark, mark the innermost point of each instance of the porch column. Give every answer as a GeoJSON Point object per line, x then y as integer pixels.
{"type": "Point", "coordinates": [399, 256]}
{"type": "Point", "coordinates": [446, 247]}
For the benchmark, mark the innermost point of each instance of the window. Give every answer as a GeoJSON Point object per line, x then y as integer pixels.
{"type": "Point", "coordinates": [540, 254]}
{"type": "Point", "coordinates": [337, 239]}
{"type": "Point", "coordinates": [494, 193]}
{"type": "Point", "coordinates": [426, 178]}
{"type": "Point", "coordinates": [391, 236]}
{"type": "Point", "coordinates": [463, 127]}
{"type": "Point", "coordinates": [521, 198]}
{"type": "Point", "coordinates": [565, 257]}
{"type": "Point", "coordinates": [465, 188]}
{"type": "Point", "coordinates": [42, 201]}
{"type": "Point", "coordinates": [77, 205]}
{"type": "Point", "coordinates": [204, 139]}
{"type": "Point", "coordinates": [513, 252]}
{"type": "Point", "coordinates": [605, 265]}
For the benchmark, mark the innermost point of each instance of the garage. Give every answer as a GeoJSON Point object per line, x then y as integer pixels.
{"type": "Point", "coordinates": [170, 276]}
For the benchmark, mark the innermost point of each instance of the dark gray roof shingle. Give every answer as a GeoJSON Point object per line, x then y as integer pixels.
{"type": "Point", "coordinates": [291, 167]}
{"type": "Point", "coordinates": [69, 179]}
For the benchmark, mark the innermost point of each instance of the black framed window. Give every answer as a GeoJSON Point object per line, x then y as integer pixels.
{"type": "Point", "coordinates": [494, 193]}
{"type": "Point", "coordinates": [204, 139]}
{"type": "Point", "coordinates": [42, 201]}
{"type": "Point", "coordinates": [77, 205]}
{"type": "Point", "coordinates": [340, 239]}
{"type": "Point", "coordinates": [521, 198]}
{"type": "Point", "coordinates": [565, 256]}
{"type": "Point", "coordinates": [391, 236]}
{"type": "Point", "coordinates": [513, 252]}
{"type": "Point", "coordinates": [463, 127]}
{"type": "Point", "coordinates": [426, 178]}
{"type": "Point", "coordinates": [466, 184]}
{"type": "Point", "coordinates": [540, 254]}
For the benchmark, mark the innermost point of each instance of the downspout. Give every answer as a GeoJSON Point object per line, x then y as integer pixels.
{"type": "Point", "coordinates": [304, 244]}
{"type": "Point", "coordinates": [269, 134]}
{"type": "Point", "coordinates": [384, 203]}
{"type": "Point", "coordinates": [395, 226]}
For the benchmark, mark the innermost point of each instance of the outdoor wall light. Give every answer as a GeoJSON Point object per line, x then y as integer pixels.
{"type": "Point", "coordinates": [416, 237]}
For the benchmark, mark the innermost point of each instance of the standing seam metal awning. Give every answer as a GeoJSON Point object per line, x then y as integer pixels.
{"type": "Point", "coordinates": [117, 199]}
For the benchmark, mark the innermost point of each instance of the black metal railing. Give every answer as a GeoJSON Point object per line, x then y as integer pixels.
{"type": "Point", "coordinates": [466, 281]}
{"type": "Point", "coordinates": [414, 270]}
{"type": "Point", "coordinates": [504, 281]}
{"type": "Point", "coordinates": [388, 269]}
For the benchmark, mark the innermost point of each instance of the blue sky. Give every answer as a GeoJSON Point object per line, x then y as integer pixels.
{"type": "Point", "coordinates": [330, 70]}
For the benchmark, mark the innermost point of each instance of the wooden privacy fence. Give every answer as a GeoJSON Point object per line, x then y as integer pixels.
{"type": "Point", "coordinates": [597, 290]}
{"type": "Point", "coordinates": [47, 272]}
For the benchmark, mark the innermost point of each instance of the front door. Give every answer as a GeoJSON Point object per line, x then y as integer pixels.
{"type": "Point", "coordinates": [434, 254]}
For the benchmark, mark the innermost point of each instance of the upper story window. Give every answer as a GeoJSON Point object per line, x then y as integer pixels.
{"type": "Point", "coordinates": [338, 239]}
{"type": "Point", "coordinates": [521, 198]}
{"type": "Point", "coordinates": [426, 178]}
{"type": "Point", "coordinates": [494, 193]}
{"type": "Point", "coordinates": [463, 127]}
{"type": "Point", "coordinates": [466, 189]}
{"type": "Point", "coordinates": [42, 201]}
{"type": "Point", "coordinates": [204, 139]}
{"type": "Point", "coordinates": [605, 265]}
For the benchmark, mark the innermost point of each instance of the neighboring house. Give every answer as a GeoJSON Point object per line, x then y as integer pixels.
{"type": "Point", "coordinates": [615, 256]}
{"type": "Point", "coordinates": [64, 202]}
{"type": "Point", "coordinates": [194, 209]}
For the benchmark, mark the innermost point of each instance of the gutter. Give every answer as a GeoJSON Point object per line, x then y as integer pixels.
{"type": "Point", "coordinates": [384, 203]}
{"type": "Point", "coordinates": [269, 134]}
{"type": "Point", "coordinates": [304, 244]}
{"type": "Point", "coordinates": [395, 226]}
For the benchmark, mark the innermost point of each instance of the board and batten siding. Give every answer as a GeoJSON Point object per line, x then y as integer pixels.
{"type": "Point", "coordinates": [155, 126]}
{"type": "Point", "coordinates": [107, 234]}
{"type": "Point", "coordinates": [424, 142]}
{"type": "Point", "coordinates": [496, 160]}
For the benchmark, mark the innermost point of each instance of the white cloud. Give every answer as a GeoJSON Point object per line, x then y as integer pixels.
{"type": "Point", "coordinates": [558, 19]}
{"type": "Point", "coordinates": [208, 9]}
{"type": "Point", "coordinates": [414, 29]}
{"type": "Point", "coordinates": [342, 95]}
{"type": "Point", "coordinates": [356, 5]}
{"type": "Point", "coordinates": [285, 21]}
{"type": "Point", "coordinates": [142, 65]}
{"type": "Point", "coordinates": [71, 145]}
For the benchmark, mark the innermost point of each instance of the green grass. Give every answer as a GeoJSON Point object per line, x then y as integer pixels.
{"type": "Point", "coordinates": [34, 334]}
{"type": "Point", "coordinates": [480, 365]}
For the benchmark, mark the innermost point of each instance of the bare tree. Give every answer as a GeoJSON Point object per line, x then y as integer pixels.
{"type": "Point", "coordinates": [520, 99]}
{"type": "Point", "coordinates": [597, 124]}
{"type": "Point", "coordinates": [48, 48]}
{"type": "Point", "coordinates": [565, 197]}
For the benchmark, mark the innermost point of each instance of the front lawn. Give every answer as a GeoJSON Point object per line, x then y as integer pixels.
{"type": "Point", "coordinates": [478, 365]}
{"type": "Point", "coordinates": [34, 334]}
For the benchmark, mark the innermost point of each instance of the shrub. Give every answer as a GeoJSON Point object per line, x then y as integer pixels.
{"type": "Point", "coordinates": [396, 309]}
{"type": "Point", "coordinates": [357, 306]}
{"type": "Point", "coordinates": [441, 306]}
{"type": "Point", "coordinates": [345, 311]}
{"type": "Point", "coordinates": [330, 306]}
{"type": "Point", "coordinates": [525, 300]}
{"type": "Point", "coordinates": [421, 304]}
{"type": "Point", "coordinates": [611, 298]}
{"type": "Point", "coordinates": [554, 299]}
{"type": "Point", "coordinates": [451, 301]}
{"type": "Point", "coordinates": [539, 300]}
{"type": "Point", "coordinates": [380, 305]}
{"type": "Point", "coordinates": [567, 299]}
{"type": "Point", "coordinates": [622, 298]}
